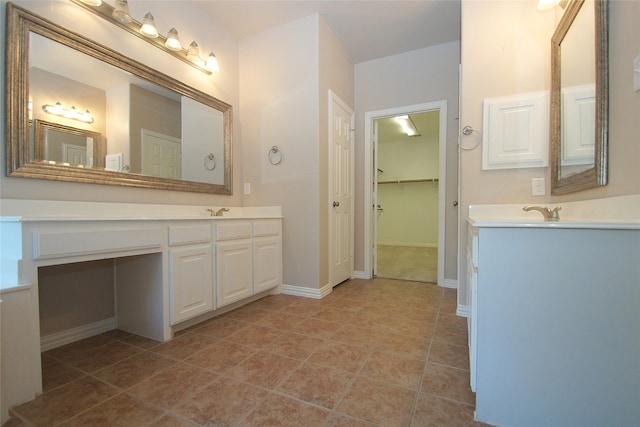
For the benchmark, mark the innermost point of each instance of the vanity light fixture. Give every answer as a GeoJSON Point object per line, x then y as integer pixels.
{"type": "Point", "coordinates": [68, 113]}
{"type": "Point", "coordinates": [550, 4]}
{"type": "Point", "coordinates": [148, 27]}
{"type": "Point", "coordinates": [147, 30]}
{"type": "Point", "coordinates": [121, 12]}
{"type": "Point", "coordinates": [407, 125]}
{"type": "Point", "coordinates": [173, 42]}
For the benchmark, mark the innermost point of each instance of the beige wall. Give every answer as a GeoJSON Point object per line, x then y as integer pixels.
{"type": "Point", "coordinates": [285, 76]}
{"type": "Point", "coordinates": [416, 77]}
{"type": "Point", "coordinates": [505, 51]}
{"type": "Point", "coordinates": [193, 25]}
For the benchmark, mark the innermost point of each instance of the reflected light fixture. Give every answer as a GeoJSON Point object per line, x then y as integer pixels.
{"type": "Point", "coordinates": [173, 42]}
{"type": "Point", "coordinates": [92, 2]}
{"type": "Point", "coordinates": [148, 27]}
{"type": "Point", "coordinates": [68, 113]}
{"type": "Point", "coordinates": [407, 125]}
{"type": "Point", "coordinates": [121, 12]}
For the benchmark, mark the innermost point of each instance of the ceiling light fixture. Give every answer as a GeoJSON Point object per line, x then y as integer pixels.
{"type": "Point", "coordinates": [407, 125]}
{"type": "Point", "coordinates": [68, 113]}
{"type": "Point", "coordinates": [147, 30]}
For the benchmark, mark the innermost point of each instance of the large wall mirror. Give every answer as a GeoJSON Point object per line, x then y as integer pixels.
{"type": "Point", "coordinates": [579, 98]}
{"type": "Point", "coordinates": [79, 111]}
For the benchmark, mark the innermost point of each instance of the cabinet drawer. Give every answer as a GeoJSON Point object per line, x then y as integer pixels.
{"type": "Point", "coordinates": [188, 234]}
{"type": "Point", "coordinates": [266, 228]}
{"type": "Point", "coordinates": [233, 230]}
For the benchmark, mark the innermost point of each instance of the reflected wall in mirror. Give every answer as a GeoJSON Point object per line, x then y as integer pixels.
{"type": "Point", "coordinates": [149, 130]}
{"type": "Point", "coordinates": [579, 98]}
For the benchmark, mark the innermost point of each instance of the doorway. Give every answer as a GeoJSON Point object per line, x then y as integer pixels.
{"type": "Point", "coordinates": [407, 151]}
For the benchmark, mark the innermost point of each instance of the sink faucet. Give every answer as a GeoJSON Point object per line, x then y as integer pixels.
{"type": "Point", "coordinates": [547, 213]}
{"type": "Point", "coordinates": [219, 212]}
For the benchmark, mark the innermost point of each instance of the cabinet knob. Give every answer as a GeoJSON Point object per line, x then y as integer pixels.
{"type": "Point", "coordinates": [336, 204]}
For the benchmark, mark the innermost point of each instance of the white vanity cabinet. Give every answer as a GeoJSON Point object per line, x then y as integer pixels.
{"type": "Point", "coordinates": [190, 271]}
{"type": "Point", "coordinates": [554, 324]}
{"type": "Point", "coordinates": [248, 258]}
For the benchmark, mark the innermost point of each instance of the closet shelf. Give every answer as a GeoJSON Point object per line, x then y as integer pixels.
{"type": "Point", "coordinates": [405, 181]}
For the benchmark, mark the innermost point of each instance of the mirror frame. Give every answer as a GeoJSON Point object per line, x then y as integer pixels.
{"type": "Point", "coordinates": [597, 175]}
{"type": "Point", "coordinates": [20, 154]}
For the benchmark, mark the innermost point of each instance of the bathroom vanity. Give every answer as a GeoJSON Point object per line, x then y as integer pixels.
{"type": "Point", "coordinates": [554, 334]}
{"type": "Point", "coordinates": [173, 266]}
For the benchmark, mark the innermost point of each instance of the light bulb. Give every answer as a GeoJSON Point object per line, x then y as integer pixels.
{"type": "Point", "coordinates": [121, 12]}
{"type": "Point", "coordinates": [148, 27]}
{"type": "Point", "coordinates": [173, 42]}
{"type": "Point", "coordinates": [212, 63]}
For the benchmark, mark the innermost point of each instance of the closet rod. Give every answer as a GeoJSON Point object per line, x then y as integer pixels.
{"type": "Point", "coordinates": [404, 181]}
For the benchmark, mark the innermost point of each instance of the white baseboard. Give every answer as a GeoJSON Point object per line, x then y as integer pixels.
{"type": "Point", "coordinates": [449, 283]}
{"type": "Point", "coordinates": [301, 291]}
{"type": "Point", "coordinates": [360, 275]}
{"type": "Point", "coordinates": [463, 310]}
{"type": "Point", "coordinates": [71, 335]}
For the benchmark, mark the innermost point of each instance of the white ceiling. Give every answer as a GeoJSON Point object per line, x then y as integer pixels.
{"type": "Point", "coordinates": [367, 29]}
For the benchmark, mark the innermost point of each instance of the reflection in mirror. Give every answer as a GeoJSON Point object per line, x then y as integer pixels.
{"type": "Point", "coordinates": [579, 98]}
{"type": "Point", "coordinates": [148, 129]}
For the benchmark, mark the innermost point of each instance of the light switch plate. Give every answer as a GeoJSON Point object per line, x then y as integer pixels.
{"type": "Point", "coordinates": [247, 188]}
{"type": "Point", "coordinates": [537, 187]}
{"type": "Point", "coordinates": [636, 74]}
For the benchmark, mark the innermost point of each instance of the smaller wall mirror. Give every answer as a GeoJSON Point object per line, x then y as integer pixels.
{"type": "Point", "coordinates": [579, 98]}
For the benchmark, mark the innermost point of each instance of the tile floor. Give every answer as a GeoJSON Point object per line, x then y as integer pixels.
{"type": "Point", "coordinates": [408, 263]}
{"type": "Point", "coordinates": [372, 353]}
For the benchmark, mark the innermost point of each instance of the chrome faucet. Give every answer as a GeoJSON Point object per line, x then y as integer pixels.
{"type": "Point", "coordinates": [547, 213]}
{"type": "Point", "coordinates": [219, 212]}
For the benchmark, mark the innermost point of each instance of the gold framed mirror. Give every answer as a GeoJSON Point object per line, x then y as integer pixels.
{"type": "Point", "coordinates": [47, 66]}
{"type": "Point", "coordinates": [579, 97]}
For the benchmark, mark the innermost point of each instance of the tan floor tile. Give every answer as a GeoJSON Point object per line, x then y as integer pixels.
{"type": "Point", "coordinates": [223, 356]}
{"type": "Point", "coordinates": [248, 313]}
{"type": "Point", "coordinates": [394, 369]}
{"type": "Point", "coordinates": [138, 341]}
{"type": "Point", "coordinates": [58, 373]}
{"type": "Point", "coordinates": [405, 346]}
{"type": "Point", "coordinates": [338, 420]}
{"type": "Point", "coordinates": [452, 335]}
{"type": "Point", "coordinates": [281, 320]}
{"type": "Point", "coordinates": [121, 411]}
{"type": "Point", "coordinates": [275, 302]}
{"type": "Point", "coordinates": [77, 348]}
{"type": "Point", "coordinates": [255, 336]}
{"type": "Point", "coordinates": [448, 382]}
{"type": "Point", "coordinates": [452, 321]}
{"type": "Point", "coordinates": [329, 314]}
{"type": "Point", "coordinates": [264, 369]}
{"type": "Point", "coordinates": [379, 403]}
{"type": "Point", "coordinates": [317, 384]}
{"type": "Point", "coordinates": [173, 421]}
{"type": "Point", "coordinates": [134, 369]}
{"type": "Point", "coordinates": [66, 401]}
{"type": "Point", "coordinates": [318, 328]}
{"type": "Point", "coordinates": [15, 422]}
{"type": "Point", "coordinates": [171, 386]}
{"type": "Point", "coordinates": [340, 356]}
{"type": "Point", "coordinates": [281, 411]}
{"type": "Point", "coordinates": [220, 327]}
{"type": "Point", "coordinates": [295, 345]}
{"type": "Point", "coordinates": [452, 355]}
{"type": "Point", "coordinates": [432, 411]}
{"type": "Point", "coordinates": [356, 335]}
{"type": "Point", "coordinates": [184, 346]}
{"type": "Point", "coordinates": [412, 328]}
{"type": "Point", "coordinates": [233, 401]}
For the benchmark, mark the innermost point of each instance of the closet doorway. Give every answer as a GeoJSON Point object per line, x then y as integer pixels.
{"type": "Point", "coordinates": [407, 194]}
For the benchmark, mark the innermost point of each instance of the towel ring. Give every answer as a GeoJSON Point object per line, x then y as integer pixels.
{"type": "Point", "coordinates": [275, 155]}
{"type": "Point", "coordinates": [467, 131]}
{"type": "Point", "coordinates": [209, 162]}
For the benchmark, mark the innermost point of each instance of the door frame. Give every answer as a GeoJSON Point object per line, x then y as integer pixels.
{"type": "Point", "coordinates": [370, 177]}
{"type": "Point", "coordinates": [335, 98]}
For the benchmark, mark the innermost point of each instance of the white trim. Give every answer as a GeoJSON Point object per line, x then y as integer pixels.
{"type": "Point", "coordinates": [361, 275]}
{"type": "Point", "coordinates": [463, 310]}
{"type": "Point", "coordinates": [449, 283]}
{"type": "Point", "coordinates": [71, 335]}
{"type": "Point", "coordinates": [370, 116]}
{"type": "Point", "coordinates": [301, 291]}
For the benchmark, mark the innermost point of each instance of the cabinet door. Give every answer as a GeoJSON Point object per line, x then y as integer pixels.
{"type": "Point", "coordinates": [191, 286]}
{"type": "Point", "coordinates": [234, 271]}
{"type": "Point", "coordinates": [267, 263]}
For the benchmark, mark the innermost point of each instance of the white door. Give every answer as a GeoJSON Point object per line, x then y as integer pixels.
{"type": "Point", "coordinates": [74, 154]}
{"type": "Point", "coordinates": [341, 190]}
{"type": "Point", "coordinates": [161, 155]}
